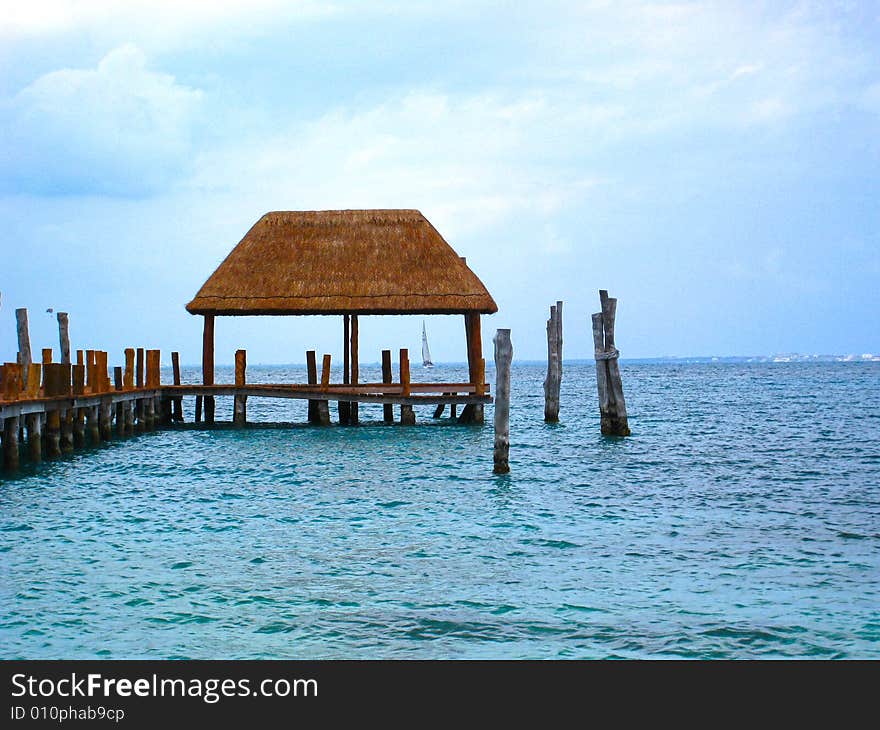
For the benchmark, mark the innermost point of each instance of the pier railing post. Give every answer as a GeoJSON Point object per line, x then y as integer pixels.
{"type": "Point", "coordinates": [239, 408]}
{"type": "Point", "coordinates": [612, 407]}
{"type": "Point", "coordinates": [503, 358]}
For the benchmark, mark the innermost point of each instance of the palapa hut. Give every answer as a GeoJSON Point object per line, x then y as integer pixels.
{"type": "Point", "coordinates": [344, 262]}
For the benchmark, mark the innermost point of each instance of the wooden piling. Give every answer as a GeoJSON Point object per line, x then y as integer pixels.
{"type": "Point", "coordinates": [24, 341]}
{"type": "Point", "coordinates": [353, 406]}
{"type": "Point", "coordinates": [177, 414]}
{"type": "Point", "coordinates": [208, 365]}
{"type": "Point", "coordinates": [553, 380]}
{"type": "Point", "coordinates": [79, 415]}
{"type": "Point", "coordinates": [139, 368]}
{"type": "Point", "coordinates": [503, 358]}
{"type": "Point", "coordinates": [10, 443]}
{"type": "Point", "coordinates": [312, 376]}
{"type": "Point", "coordinates": [34, 423]}
{"type": "Point", "coordinates": [407, 415]}
{"type": "Point", "coordinates": [120, 406]}
{"type": "Point", "coordinates": [612, 406]}
{"type": "Point", "coordinates": [128, 373]}
{"type": "Point", "coordinates": [64, 336]}
{"type": "Point", "coordinates": [105, 419]}
{"type": "Point", "coordinates": [92, 425]}
{"type": "Point", "coordinates": [47, 355]}
{"type": "Point", "coordinates": [344, 406]}
{"type": "Point", "coordinates": [387, 377]}
{"type": "Point", "coordinates": [323, 409]}
{"type": "Point", "coordinates": [197, 415]}
{"type": "Point", "coordinates": [239, 408]}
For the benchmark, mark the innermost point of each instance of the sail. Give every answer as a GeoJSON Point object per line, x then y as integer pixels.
{"type": "Point", "coordinates": [426, 353]}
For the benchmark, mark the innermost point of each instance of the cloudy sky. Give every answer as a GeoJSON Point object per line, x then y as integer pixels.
{"type": "Point", "coordinates": [716, 165]}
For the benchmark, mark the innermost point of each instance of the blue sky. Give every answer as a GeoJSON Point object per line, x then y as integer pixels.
{"type": "Point", "coordinates": [715, 165]}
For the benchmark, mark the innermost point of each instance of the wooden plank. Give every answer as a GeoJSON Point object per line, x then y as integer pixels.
{"type": "Point", "coordinates": [33, 381]}
{"type": "Point", "coordinates": [388, 409]}
{"type": "Point", "coordinates": [503, 359]}
{"type": "Point", "coordinates": [64, 336]}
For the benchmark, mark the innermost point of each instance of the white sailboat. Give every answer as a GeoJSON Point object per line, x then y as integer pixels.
{"type": "Point", "coordinates": [426, 353]}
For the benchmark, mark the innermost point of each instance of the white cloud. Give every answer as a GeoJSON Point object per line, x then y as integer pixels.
{"type": "Point", "coordinates": [117, 129]}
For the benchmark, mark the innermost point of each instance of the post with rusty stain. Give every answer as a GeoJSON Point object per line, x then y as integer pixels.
{"type": "Point", "coordinates": [387, 377]}
{"type": "Point", "coordinates": [473, 412]}
{"type": "Point", "coordinates": [407, 415]}
{"type": "Point", "coordinates": [177, 415]}
{"type": "Point", "coordinates": [105, 409]}
{"type": "Point", "coordinates": [239, 408]}
{"type": "Point", "coordinates": [503, 358]}
{"type": "Point", "coordinates": [54, 385]}
{"type": "Point", "coordinates": [323, 409]}
{"type": "Point", "coordinates": [612, 407]}
{"type": "Point", "coordinates": [312, 377]}
{"type": "Point", "coordinates": [208, 365]}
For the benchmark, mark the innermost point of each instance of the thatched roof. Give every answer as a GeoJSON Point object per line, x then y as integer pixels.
{"type": "Point", "coordinates": [342, 262]}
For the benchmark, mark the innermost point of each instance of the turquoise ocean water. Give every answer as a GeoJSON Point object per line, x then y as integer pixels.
{"type": "Point", "coordinates": [741, 519]}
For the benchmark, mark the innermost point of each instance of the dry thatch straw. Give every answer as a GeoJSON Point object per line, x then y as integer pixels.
{"type": "Point", "coordinates": [342, 262]}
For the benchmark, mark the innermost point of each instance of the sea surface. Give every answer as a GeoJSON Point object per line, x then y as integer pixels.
{"type": "Point", "coordinates": [740, 520]}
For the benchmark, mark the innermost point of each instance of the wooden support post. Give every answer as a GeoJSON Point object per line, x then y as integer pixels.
{"type": "Point", "coordinates": [103, 376]}
{"type": "Point", "coordinates": [120, 407]}
{"type": "Point", "coordinates": [47, 356]}
{"type": "Point", "coordinates": [80, 359]}
{"type": "Point", "coordinates": [312, 376]}
{"type": "Point", "coordinates": [128, 373]}
{"type": "Point", "coordinates": [12, 381]}
{"type": "Point", "coordinates": [612, 407]}
{"type": "Point", "coordinates": [239, 408]}
{"type": "Point", "coordinates": [56, 381]}
{"type": "Point", "coordinates": [407, 415]}
{"type": "Point", "coordinates": [503, 358]}
{"type": "Point", "coordinates": [553, 380]}
{"type": "Point", "coordinates": [24, 341]}
{"type": "Point", "coordinates": [64, 336]}
{"type": "Point", "coordinates": [387, 377]}
{"type": "Point", "coordinates": [149, 414]}
{"type": "Point", "coordinates": [106, 419]}
{"type": "Point", "coordinates": [92, 425]}
{"type": "Point", "coordinates": [473, 412]}
{"type": "Point", "coordinates": [139, 368]}
{"type": "Point", "coordinates": [323, 409]}
{"type": "Point", "coordinates": [67, 416]}
{"type": "Point", "coordinates": [344, 406]}
{"type": "Point", "coordinates": [79, 388]}
{"type": "Point", "coordinates": [438, 411]}
{"type": "Point", "coordinates": [10, 443]}
{"type": "Point", "coordinates": [353, 406]}
{"type": "Point", "coordinates": [197, 416]}
{"type": "Point", "coordinates": [177, 414]}
{"type": "Point", "coordinates": [140, 414]}
{"type": "Point", "coordinates": [34, 424]}
{"type": "Point", "coordinates": [33, 380]}
{"type": "Point", "coordinates": [208, 365]}
{"type": "Point", "coordinates": [128, 415]}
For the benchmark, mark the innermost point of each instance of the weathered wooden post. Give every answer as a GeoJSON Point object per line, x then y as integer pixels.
{"type": "Point", "coordinates": [120, 406]}
{"type": "Point", "coordinates": [24, 341]}
{"type": "Point", "coordinates": [239, 408]}
{"type": "Point", "coordinates": [407, 415]}
{"type": "Point", "coordinates": [79, 389]}
{"type": "Point", "coordinates": [208, 365]}
{"type": "Point", "coordinates": [10, 443]}
{"type": "Point", "coordinates": [105, 410]}
{"type": "Point", "coordinates": [34, 421]}
{"type": "Point", "coordinates": [312, 377]}
{"type": "Point", "coordinates": [612, 407]}
{"type": "Point", "coordinates": [387, 377]}
{"type": "Point", "coordinates": [353, 405]}
{"type": "Point", "coordinates": [64, 336]}
{"type": "Point", "coordinates": [344, 406]}
{"type": "Point", "coordinates": [92, 424]}
{"type": "Point", "coordinates": [197, 415]}
{"type": "Point", "coordinates": [473, 412]}
{"type": "Point", "coordinates": [67, 416]}
{"type": "Point", "coordinates": [503, 358]}
{"type": "Point", "coordinates": [177, 415]}
{"type": "Point", "coordinates": [323, 408]}
{"type": "Point", "coordinates": [554, 364]}
{"type": "Point", "coordinates": [52, 386]}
